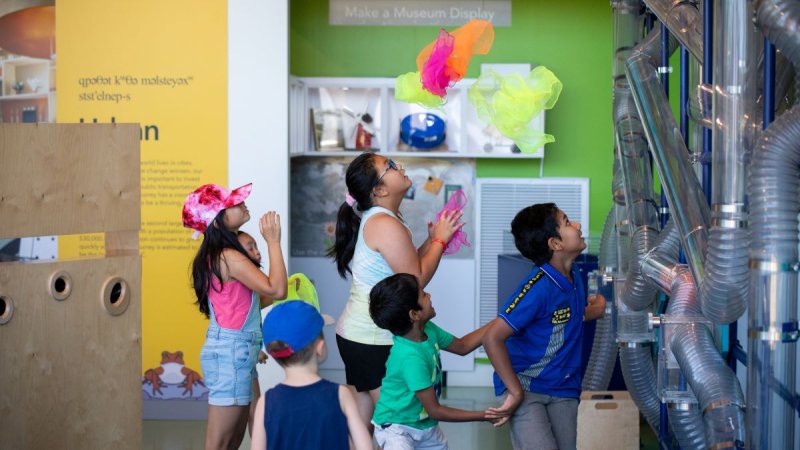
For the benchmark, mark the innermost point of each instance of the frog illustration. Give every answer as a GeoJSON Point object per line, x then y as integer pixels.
{"type": "Point", "coordinates": [172, 372]}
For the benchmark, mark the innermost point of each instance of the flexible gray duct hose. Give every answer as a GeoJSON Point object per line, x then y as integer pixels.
{"type": "Point", "coordinates": [607, 259]}
{"type": "Point", "coordinates": [714, 384]}
{"type": "Point", "coordinates": [640, 377]}
{"type": "Point", "coordinates": [603, 357]}
{"type": "Point", "coordinates": [773, 189]}
{"type": "Point", "coordinates": [604, 346]}
{"type": "Point", "coordinates": [687, 426]}
{"type": "Point", "coordinates": [716, 387]}
{"type": "Point", "coordinates": [668, 245]}
{"type": "Point", "coordinates": [779, 20]}
{"type": "Point", "coordinates": [638, 293]}
{"type": "Point", "coordinates": [725, 290]}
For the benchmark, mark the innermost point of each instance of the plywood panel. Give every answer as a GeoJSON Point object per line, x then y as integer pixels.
{"type": "Point", "coordinates": [68, 178]}
{"type": "Point", "coordinates": [69, 370]}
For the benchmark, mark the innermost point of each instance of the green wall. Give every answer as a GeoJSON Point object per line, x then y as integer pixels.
{"type": "Point", "coordinates": [571, 37]}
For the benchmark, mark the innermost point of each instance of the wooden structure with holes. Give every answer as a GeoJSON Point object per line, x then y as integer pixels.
{"type": "Point", "coordinates": [70, 330]}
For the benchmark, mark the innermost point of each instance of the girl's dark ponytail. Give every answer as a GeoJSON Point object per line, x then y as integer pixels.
{"type": "Point", "coordinates": [347, 223]}
{"type": "Point", "coordinates": [361, 178]}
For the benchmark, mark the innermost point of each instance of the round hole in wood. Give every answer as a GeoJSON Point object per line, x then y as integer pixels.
{"type": "Point", "coordinates": [6, 309]}
{"type": "Point", "coordinates": [115, 296]}
{"type": "Point", "coordinates": [116, 293]}
{"type": "Point", "coordinates": [60, 285]}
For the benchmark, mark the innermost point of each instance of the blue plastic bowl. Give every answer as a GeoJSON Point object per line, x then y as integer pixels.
{"type": "Point", "coordinates": [422, 130]}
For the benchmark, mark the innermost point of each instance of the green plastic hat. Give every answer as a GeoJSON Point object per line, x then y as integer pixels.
{"type": "Point", "coordinates": [301, 288]}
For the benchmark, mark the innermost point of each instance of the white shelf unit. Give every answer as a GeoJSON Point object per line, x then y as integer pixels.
{"type": "Point", "coordinates": [467, 136]}
{"type": "Point", "coordinates": [40, 72]}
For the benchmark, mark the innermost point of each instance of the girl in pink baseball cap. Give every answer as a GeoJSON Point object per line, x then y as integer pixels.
{"type": "Point", "coordinates": [231, 290]}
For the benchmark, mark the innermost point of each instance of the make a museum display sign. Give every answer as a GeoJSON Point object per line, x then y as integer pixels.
{"type": "Point", "coordinates": [318, 190]}
{"type": "Point", "coordinates": [418, 12]}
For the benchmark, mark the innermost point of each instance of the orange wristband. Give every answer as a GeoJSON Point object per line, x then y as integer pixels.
{"type": "Point", "coordinates": [444, 246]}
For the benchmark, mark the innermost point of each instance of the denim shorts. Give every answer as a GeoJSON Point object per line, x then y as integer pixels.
{"type": "Point", "coordinates": [228, 360]}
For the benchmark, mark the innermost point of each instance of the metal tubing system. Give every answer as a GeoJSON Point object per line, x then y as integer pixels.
{"type": "Point", "coordinates": [724, 292]}
{"type": "Point", "coordinates": [684, 22]}
{"type": "Point", "coordinates": [687, 205]}
{"type": "Point", "coordinates": [774, 206]}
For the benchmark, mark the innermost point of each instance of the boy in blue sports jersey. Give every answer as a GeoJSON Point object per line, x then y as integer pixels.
{"type": "Point", "coordinates": [535, 342]}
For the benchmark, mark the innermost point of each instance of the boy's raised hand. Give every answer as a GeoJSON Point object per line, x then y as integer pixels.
{"type": "Point", "coordinates": [596, 308]}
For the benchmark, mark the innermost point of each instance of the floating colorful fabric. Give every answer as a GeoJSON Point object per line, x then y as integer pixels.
{"type": "Point", "coordinates": [436, 75]}
{"type": "Point", "coordinates": [408, 88]}
{"type": "Point", "coordinates": [511, 102]}
{"type": "Point", "coordinates": [443, 62]}
{"type": "Point", "coordinates": [473, 38]}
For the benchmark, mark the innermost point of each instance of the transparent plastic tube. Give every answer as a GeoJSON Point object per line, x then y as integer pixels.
{"type": "Point", "coordinates": [724, 291]}
{"type": "Point", "coordinates": [607, 258]}
{"type": "Point", "coordinates": [636, 361]}
{"type": "Point", "coordinates": [637, 294]}
{"type": "Point", "coordinates": [684, 425]}
{"type": "Point", "coordinates": [686, 200]}
{"type": "Point", "coordinates": [683, 20]}
{"type": "Point", "coordinates": [714, 384]}
{"type": "Point", "coordinates": [604, 347]}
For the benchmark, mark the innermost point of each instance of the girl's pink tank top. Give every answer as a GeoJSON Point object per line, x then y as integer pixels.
{"type": "Point", "coordinates": [231, 304]}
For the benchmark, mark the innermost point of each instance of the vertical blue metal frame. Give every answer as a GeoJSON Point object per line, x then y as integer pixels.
{"type": "Point", "coordinates": [663, 214]}
{"type": "Point", "coordinates": [684, 81]}
{"type": "Point", "coordinates": [769, 83]}
{"type": "Point", "coordinates": [708, 29]}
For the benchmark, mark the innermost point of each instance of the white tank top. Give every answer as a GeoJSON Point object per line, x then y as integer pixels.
{"type": "Point", "coordinates": [369, 267]}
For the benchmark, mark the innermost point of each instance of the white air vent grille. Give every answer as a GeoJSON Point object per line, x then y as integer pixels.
{"type": "Point", "coordinates": [499, 200]}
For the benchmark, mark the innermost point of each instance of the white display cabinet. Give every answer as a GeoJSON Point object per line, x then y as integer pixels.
{"type": "Point", "coordinates": [334, 104]}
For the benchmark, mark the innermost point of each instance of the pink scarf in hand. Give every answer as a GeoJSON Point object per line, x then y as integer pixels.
{"type": "Point", "coordinates": [457, 202]}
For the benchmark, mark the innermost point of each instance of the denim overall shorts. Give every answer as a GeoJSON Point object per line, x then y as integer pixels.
{"type": "Point", "coordinates": [228, 358]}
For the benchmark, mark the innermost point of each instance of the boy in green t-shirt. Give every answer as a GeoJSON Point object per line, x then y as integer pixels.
{"type": "Point", "coordinates": [408, 409]}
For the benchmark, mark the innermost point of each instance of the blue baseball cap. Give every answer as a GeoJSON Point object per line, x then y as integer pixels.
{"type": "Point", "coordinates": [294, 322]}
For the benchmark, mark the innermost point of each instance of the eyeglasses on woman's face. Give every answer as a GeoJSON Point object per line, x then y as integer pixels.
{"type": "Point", "coordinates": [391, 165]}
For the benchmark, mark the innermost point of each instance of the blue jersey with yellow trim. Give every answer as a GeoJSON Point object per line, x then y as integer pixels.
{"type": "Point", "coordinates": [546, 314]}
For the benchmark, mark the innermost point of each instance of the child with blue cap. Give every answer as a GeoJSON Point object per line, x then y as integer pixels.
{"type": "Point", "coordinates": [305, 410]}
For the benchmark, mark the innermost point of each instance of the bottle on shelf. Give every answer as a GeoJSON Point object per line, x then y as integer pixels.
{"type": "Point", "coordinates": [364, 132]}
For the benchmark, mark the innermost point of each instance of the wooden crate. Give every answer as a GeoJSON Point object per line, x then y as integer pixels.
{"type": "Point", "coordinates": [607, 420]}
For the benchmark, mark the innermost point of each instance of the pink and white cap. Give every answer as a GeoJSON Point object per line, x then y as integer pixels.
{"type": "Point", "coordinates": [205, 202]}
